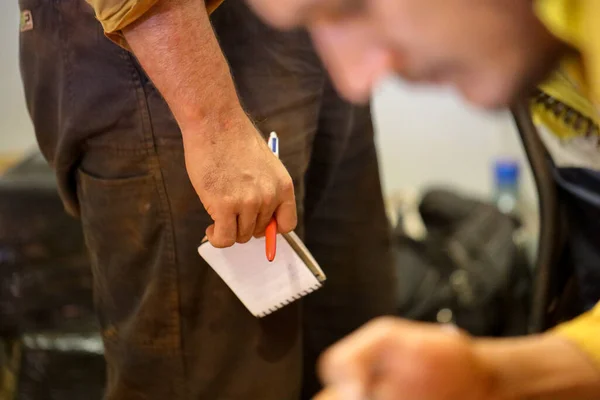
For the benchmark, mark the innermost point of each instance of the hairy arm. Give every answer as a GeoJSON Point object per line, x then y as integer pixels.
{"type": "Point", "coordinates": [240, 182]}
{"type": "Point", "coordinates": [175, 43]}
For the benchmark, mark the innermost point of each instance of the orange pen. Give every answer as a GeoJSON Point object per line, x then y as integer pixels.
{"type": "Point", "coordinates": [271, 232]}
{"type": "Point", "coordinates": [271, 240]}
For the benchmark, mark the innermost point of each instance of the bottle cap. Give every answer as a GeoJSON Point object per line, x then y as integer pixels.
{"type": "Point", "coordinates": [506, 172]}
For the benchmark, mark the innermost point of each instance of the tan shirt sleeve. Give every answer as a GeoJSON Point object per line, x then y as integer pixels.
{"type": "Point", "coordinates": [584, 331]}
{"type": "Point", "coordinates": [114, 15]}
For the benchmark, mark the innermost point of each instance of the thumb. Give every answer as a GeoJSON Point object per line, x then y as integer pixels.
{"type": "Point", "coordinates": [351, 366]}
{"type": "Point", "coordinates": [328, 394]}
{"type": "Point", "coordinates": [286, 216]}
{"type": "Point", "coordinates": [348, 381]}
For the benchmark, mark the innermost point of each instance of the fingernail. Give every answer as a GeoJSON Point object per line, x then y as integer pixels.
{"type": "Point", "coordinates": [451, 329]}
{"type": "Point", "coordinates": [349, 391]}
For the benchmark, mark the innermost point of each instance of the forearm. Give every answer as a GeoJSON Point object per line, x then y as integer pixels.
{"type": "Point", "coordinates": [545, 367]}
{"type": "Point", "coordinates": [177, 48]}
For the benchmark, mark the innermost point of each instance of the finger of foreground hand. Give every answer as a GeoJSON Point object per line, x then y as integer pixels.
{"type": "Point", "coordinates": [340, 393]}
{"type": "Point", "coordinates": [223, 232]}
{"type": "Point", "coordinates": [327, 394]}
{"type": "Point", "coordinates": [350, 363]}
{"type": "Point", "coordinates": [359, 360]}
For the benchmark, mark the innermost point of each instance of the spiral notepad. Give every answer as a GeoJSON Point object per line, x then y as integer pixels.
{"type": "Point", "coordinates": [262, 286]}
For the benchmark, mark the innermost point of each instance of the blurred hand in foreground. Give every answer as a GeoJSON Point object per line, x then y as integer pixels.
{"type": "Point", "coordinates": [391, 359]}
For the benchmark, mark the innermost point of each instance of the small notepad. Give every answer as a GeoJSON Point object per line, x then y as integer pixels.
{"type": "Point", "coordinates": [262, 286]}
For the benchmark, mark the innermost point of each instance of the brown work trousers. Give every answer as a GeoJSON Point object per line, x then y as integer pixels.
{"type": "Point", "coordinates": [172, 329]}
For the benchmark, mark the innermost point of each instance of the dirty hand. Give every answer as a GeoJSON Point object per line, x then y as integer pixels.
{"type": "Point", "coordinates": [240, 182]}
{"type": "Point", "coordinates": [393, 359]}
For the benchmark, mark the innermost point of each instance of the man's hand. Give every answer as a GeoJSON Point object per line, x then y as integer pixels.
{"type": "Point", "coordinates": [392, 359]}
{"type": "Point", "coordinates": [241, 183]}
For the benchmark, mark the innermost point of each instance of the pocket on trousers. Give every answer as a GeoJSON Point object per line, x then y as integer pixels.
{"type": "Point", "coordinates": [135, 286]}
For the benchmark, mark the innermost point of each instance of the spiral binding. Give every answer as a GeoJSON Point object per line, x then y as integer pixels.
{"type": "Point", "coordinates": [568, 115]}
{"type": "Point", "coordinates": [286, 302]}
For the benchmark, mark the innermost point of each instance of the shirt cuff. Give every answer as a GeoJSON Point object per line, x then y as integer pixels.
{"type": "Point", "coordinates": [115, 15]}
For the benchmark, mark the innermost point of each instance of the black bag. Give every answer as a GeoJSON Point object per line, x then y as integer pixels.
{"type": "Point", "coordinates": [61, 366]}
{"type": "Point", "coordinates": [45, 277]}
{"type": "Point", "coordinates": [52, 347]}
{"type": "Point", "coordinates": [33, 223]}
{"type": "Point", "coordinates": [468, 270]}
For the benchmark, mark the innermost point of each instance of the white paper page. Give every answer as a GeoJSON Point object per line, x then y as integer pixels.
{"type": "Point", "coordinates": [262, 286]}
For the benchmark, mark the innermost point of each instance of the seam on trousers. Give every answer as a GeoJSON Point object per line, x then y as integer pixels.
{"type": "Point", "coordinates": [66, 57]}
{"type": "Point", "coordinates": [165, 210]}
{"type": "Point", "coordinates": [65, 51]}
{"type": "Point", "coordinates": [337, 162]}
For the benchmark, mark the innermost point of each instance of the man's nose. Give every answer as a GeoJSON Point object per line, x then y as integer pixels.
{"type": "Point", "coordinates": [358, 78]}
{"type": "Point", "coordinates": [281, 14]}
{"type": "Point", "coordinates": [353, 59]}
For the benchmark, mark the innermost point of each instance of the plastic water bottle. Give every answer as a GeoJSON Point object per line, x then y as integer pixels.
{"type": "Point", "coordinates": [506, 194]}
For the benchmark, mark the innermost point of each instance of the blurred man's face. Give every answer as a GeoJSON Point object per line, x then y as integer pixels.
{"type": "Point", "coordinates": [490, 50]}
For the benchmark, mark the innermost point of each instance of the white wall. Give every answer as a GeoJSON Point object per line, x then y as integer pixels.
{"type": "Point", "coordinates": [428, 136]}
{"type": "Point", "coordinates": [16, 132]}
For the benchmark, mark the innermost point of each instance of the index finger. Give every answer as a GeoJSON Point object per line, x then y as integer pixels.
{"type": "Point", "coordinates": [327, 394]}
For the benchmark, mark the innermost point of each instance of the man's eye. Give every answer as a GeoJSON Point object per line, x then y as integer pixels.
{"type": "Point", "coordinates": [331, 10]}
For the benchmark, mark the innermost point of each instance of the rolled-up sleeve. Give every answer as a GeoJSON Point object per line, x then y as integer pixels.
{"type": "Point", "coordinates": [115, 15]}
{"type": "Point", "coordinates": [584, 332]}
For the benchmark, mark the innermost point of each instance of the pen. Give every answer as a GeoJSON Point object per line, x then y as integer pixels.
{"type": "Point", "coordinates": [271, 232]}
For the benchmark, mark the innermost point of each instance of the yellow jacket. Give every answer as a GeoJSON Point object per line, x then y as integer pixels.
{"type": "Point", "coordinates": [577, 23]}
{"type": "Point", "coordinates": [576, 84]}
